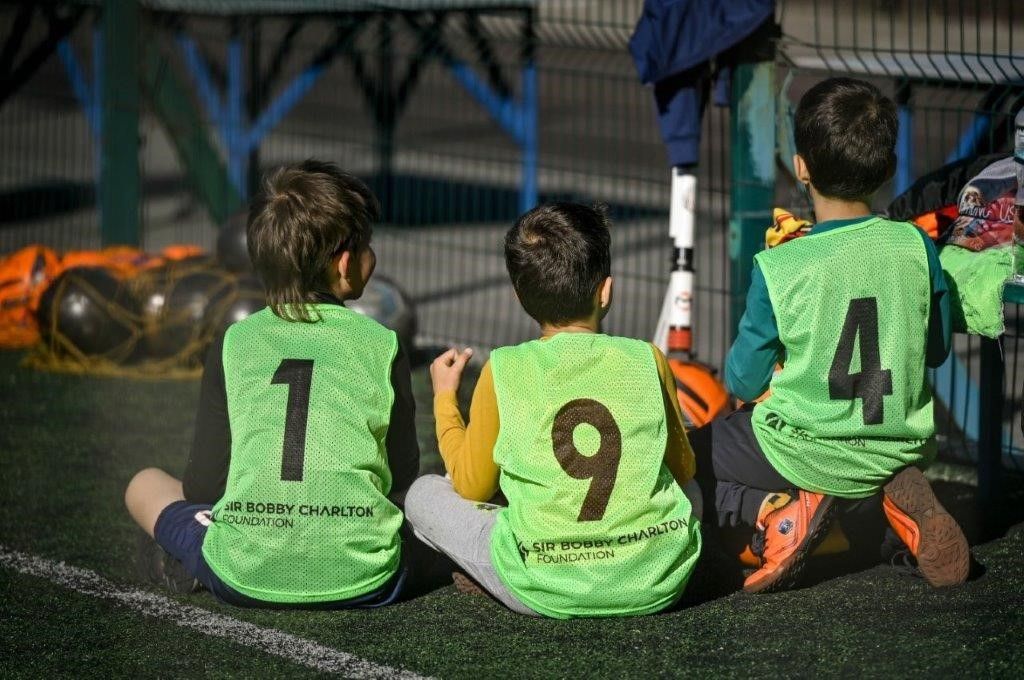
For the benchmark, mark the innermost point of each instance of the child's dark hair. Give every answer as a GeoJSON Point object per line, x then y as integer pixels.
{"type": "Point", "coordinates": [845, 130]}
{"type": "Point", "coordinates": [557, 255]}
{"type": "Point", "coordinates": [305, 215]}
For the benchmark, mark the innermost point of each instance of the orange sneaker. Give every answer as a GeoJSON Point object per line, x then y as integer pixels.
{"type": "Point", "coordinates": [789, 531]}
{"type": "Point", "coordinates": [932, 535]}
{"type": "Point", "coordinates": [835, 542]}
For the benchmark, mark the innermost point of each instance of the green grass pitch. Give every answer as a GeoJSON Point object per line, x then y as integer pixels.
{"type": "Point", "coordinates": [69, 444]}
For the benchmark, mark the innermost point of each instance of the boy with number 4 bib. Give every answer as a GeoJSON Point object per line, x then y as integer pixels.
{"type": "Point", "coordinates": [855, 311]}
{"type": "Point", "coordinates": [583, 434]}
{"type": "Point", "coordinates": [305, 429]}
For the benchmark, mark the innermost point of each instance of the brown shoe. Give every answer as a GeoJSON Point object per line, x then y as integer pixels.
{"type": "Point", "coordinates": [466, 585]}
{"type": "Point", "coordinates": [790, 533]}
{"type": "Point", "coordinates": [932, 535]}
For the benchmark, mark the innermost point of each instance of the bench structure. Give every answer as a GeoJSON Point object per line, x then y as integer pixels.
{"type": "Point", "coordinates": [245, 101]}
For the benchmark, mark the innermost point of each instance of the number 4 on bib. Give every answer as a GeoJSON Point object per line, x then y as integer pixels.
{"type": "Point", "coordinates": [872, 382]}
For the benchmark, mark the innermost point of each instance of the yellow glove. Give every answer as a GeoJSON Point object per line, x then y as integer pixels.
{"type": "Point", "coordinates": [785, 227]}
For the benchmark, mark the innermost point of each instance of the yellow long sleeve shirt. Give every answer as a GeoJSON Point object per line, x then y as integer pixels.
{"type": "Point", "coordinates": [468, 449]}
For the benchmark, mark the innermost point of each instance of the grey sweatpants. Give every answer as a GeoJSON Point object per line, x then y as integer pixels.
{"type": "Point", "coordinates": [460, 529]}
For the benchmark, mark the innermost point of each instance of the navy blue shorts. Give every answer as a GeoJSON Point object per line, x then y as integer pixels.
{"type": "Point", "coordinates": [180, 530]}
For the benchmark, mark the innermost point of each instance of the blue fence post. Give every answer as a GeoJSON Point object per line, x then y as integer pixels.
{"type": "Point", "coordinates": [528, 138]}
{"type": "Point", "coordinates": [517, 118]}
{"type": "Point", "coordinates": [88, 98]}
{"type": "Point", "coordinates": [235, 138]}
{"type": "Point", "coordinates": [528, 110]}
{"type": "Point", "coordinates": [205, 88]}
{"type": "Point", "coordinates": [281, 105]}
{"type": "Point", "coordinates": [95, 113]}
{"type": "Point", "coordinates": [969, 139]}
{"type": "Point", "coordinates": [904, 141]}
{"type": "Point", "coordinates": [96, 108]}
{"type": "Point", "coordinates": [85, 92]}
{"type": "Point", "coordinates": [228, 115]}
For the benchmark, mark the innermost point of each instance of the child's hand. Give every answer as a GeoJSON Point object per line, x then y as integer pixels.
{"type": "Point", "coordinates": [446, 371]}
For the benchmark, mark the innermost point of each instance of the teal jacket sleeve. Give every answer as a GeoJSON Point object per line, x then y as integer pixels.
{"type": "Point", "coordinates": [757, 348]}
{"type": "Point", "coordinates": [939, 324]}
{"type": "Point", "coordinates": [751, 360]}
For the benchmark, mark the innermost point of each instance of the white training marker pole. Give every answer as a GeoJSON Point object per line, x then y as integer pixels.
{"type": "Point", "coordinates": [676, 309]}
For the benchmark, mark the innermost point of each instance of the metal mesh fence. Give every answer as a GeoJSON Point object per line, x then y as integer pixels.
{"type": "Point", "coordinates": [457, 173]}
{"type": "Point", "coordinates": [957, 77]}
{"type": "Point", "coordinates": [453, 184]}
{"type": "Point", "coordinates": [47, 169]}
{"type": "Point", "coordinates": [453, 174]}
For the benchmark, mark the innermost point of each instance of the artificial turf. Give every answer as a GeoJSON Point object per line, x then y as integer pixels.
{"type": "Point", "coordinates": [69, 444]}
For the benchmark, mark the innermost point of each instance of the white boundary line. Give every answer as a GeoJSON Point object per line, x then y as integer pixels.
{"type": "Point", "coordinates": [290, 647]}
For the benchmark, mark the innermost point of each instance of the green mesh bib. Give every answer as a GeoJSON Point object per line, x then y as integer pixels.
{"type": "Point", "coordinates": [305, 517]}
{"type": "Point", "coordinates": [851, 405]}
{"type": "Point", "coordinates": [595, 524]}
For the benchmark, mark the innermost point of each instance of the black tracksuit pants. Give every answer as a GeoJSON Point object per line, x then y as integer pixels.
{"type": "Point", "coordinates": [735, 477]}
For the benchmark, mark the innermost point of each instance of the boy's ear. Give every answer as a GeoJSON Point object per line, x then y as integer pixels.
{"type": "Point", "coordinates": [604, 298]}
{"type": "Point", "coordinates": [343, 263]}
{"type": "Point", "coordinates": [800, 169]}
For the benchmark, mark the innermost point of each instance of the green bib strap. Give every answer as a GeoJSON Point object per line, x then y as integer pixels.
{"type": "Point", "coordinates": [305, 515]}
{"type": "Point", "coordinates": [596, 524]}
{"type": "Point", "coordinates": [851, 406]}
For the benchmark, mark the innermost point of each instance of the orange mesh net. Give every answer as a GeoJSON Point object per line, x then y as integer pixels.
{"type": "Point", "coordinates": [134, 315]}
{"type": "Point", "coordinates": [24, 276]}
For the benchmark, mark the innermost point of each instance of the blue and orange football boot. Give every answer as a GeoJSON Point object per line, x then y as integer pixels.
{"type": "Point", "coordinates": [788, 529]}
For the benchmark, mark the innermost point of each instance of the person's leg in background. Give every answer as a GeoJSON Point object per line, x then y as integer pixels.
{"type": "Point", "coordinates": [149, 494]}
{"type": "Point", "coordinates": [733, 473]}
{"type": "Point", "coordinates": [864, 526]}
{"type": "Point", "coordinates": [150, 491]}
{"type": "Point", "coordinates": [427, 568]}
{"type": "Point", "coordinates": [788, 523]}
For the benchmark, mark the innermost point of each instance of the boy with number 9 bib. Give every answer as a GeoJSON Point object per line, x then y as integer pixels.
{"type": "Point", "coordinates": [855, 310]}
{"type": "Point", "coordinates": [583, 434]}
{"type": "Point", "coordinates": [305, 425]}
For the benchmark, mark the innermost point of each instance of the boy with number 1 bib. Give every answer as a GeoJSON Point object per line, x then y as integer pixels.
{"type": "Point", "coordinates": [583, 434]}
{"type": "Point", "coordinates": [305, 433]}
{"type": "Point", "coordinates": [855, 310]}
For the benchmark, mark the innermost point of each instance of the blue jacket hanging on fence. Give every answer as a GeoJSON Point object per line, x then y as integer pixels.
{"type": "Point", "coordinates": [673, 44]}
